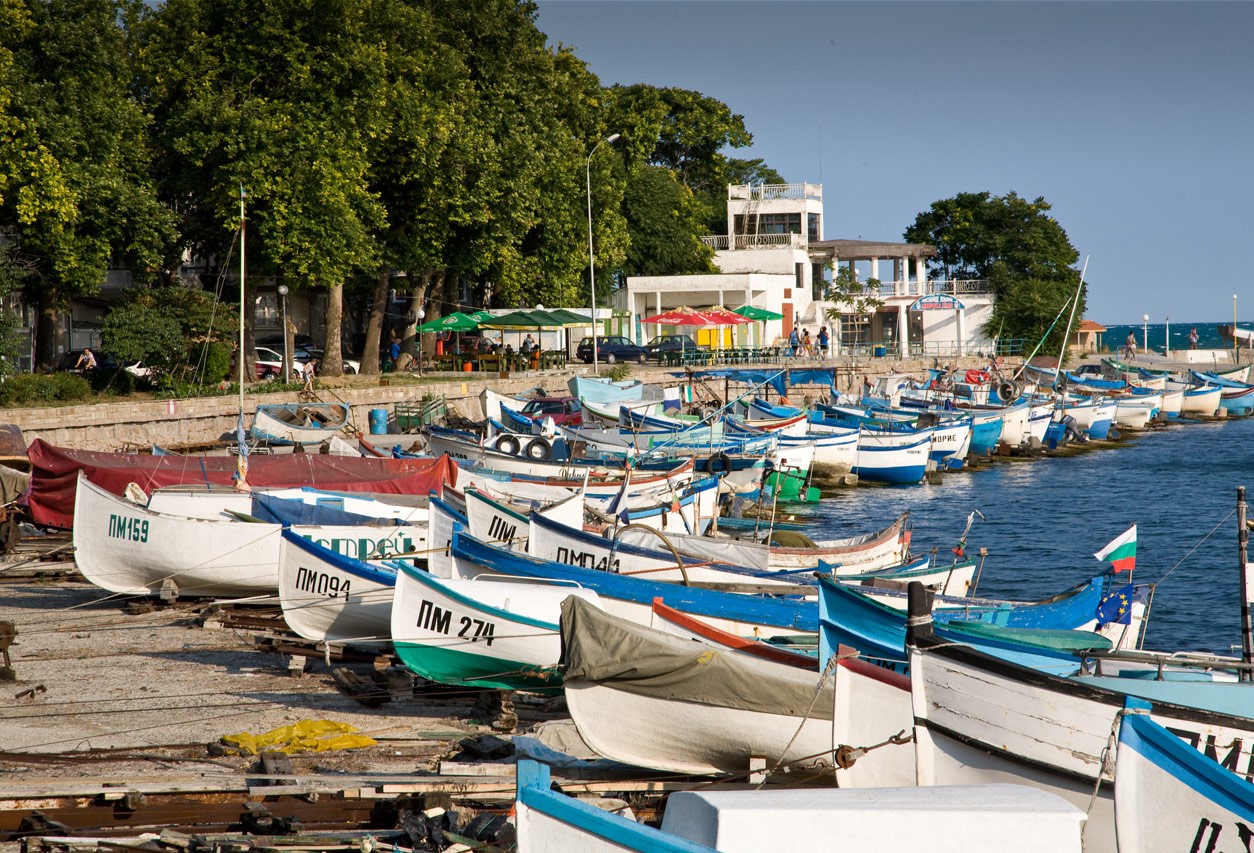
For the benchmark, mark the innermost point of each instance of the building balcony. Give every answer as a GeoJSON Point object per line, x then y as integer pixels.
{"type": "Point", "coordinates": [773, 192]}
{"type": "Point", "coordinates": [954, 287]}
{"type": "Point", "coordinates": [728, 242]}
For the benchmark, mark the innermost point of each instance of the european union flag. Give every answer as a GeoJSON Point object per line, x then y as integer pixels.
{"type": "Point", "coordinates": [1116, 607]}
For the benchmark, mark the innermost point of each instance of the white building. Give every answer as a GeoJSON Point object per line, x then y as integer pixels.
{"type": "Point", "coordinates": [775, 257]}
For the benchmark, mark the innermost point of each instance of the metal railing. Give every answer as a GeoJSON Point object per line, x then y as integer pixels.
{"type": "Point", "coordinates": [931, 349]}
{"type": "Point", "coordinates": [770, 192]}
{"type": "Point", "coordinates": [723, 242]}
{"type": "Point", "coordinates": [953, 287]}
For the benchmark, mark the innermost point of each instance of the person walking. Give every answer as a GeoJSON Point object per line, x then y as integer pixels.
{"type": "Point", "coordinates": [806, 345]}
{"type": "Point", "coordinates": [307, 373]}
{"type": "Point", "coordinates": [1129, 347]}
{"type": "Point", "coordinates": [1193, 338]}
{"type": "Point", "coordinates": [394, 349]}
{"type": "Point", "coordinates": [823, 342]}
{"type": "Point", "coordinates": [794, 342]}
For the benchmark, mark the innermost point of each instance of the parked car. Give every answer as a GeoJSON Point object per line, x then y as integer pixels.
{"type": "Point", "coordinates": [565, 411]}
{"type": "Point", "coordinates": [270, 364]}
{"type": "Point", "coordinates": [663, 344]}
{"type": "Point", "coordinates": [303, 346]}
{"type": "Point", "coordinates": [611, 348]}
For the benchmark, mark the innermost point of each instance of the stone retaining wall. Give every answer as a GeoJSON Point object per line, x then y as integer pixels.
{"type": "Point", "coordinates": [132, 424]}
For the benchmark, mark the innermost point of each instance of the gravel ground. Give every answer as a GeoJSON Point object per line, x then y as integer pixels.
{"type": "Point", "coordinates": [156, 683]}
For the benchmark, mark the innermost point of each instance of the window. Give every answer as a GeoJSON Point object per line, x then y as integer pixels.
{"type": "Point", "coordinates": [812, 227]}
{"type": "Point", "coordinates": [779, 223]}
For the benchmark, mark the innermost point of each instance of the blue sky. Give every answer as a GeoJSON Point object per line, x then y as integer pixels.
{"type": "Point", "coordinates": [1132, 119]}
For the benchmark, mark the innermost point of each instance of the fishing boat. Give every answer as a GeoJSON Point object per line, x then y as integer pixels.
{"type": "Point", "coordinates": [888, 546]}
{"type": "Point", "coordinates": [977, 717]}
{"type": "Point", "coordinates": [651, 699]}
{"type": "Point", "coordinates": [893, 458]}
{"type": "Point", "coordinates": [329, 597]}
{"type": "Point", "coordinates": [1169, 796]}
{"type": "Point", "coordinates": [704, 821]}
{"type": "Point", "coordinates": [680, 624]}
{"type": "Point", "coordinates": [127, 548]}
{"type": "Point", "coordinates": [480, 633]}
{"type": "Point", "coordinates": [299, 423]}
{"type": "Point", "coordinates": [598, 390]}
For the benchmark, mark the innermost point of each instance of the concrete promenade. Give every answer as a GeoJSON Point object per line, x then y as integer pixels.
{"type": "Point", "coordinates": [130, 423]}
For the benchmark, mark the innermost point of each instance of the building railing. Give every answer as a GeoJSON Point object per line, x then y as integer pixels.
{"type": "Point", "coordinates": [934, 349]}
{"type": "Point", "coordinates": [953, 287]}
{"type": "Point", "coordinates": [771, 192]}
{"type": "Point", "coordinates": [725, 242]}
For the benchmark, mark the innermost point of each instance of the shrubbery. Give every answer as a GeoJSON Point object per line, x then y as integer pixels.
{"type": "Point", "coordinates": [39, 389]}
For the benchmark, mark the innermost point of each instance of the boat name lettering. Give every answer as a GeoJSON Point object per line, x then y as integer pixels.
{"type": "Point", "coordinates": [124, 527]}
{"type": "Point", "coordinates": [321, 583]}
{"type": "Point", "coordinates": [483, 630]}
{"type": "Point", "coordinates": [1210, 749]}
{"type": "Point", "coordinates": [499, 531]}
{"type": "Point", "coordinates": [586, 560]}
{"type": "Point", "coordinates": [433, 618]}
{"type": "Point", "coordinates": [1208, 831]}
{"type": "Point", "coordinates": [364, 548]}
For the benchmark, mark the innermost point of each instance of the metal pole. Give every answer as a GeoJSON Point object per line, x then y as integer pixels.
{"type": "Point", "coordinates": [242, 195]}
{"type": "Point", "coordinates": [1167, 340]}
{"type": "Point", "coordinates": [1247, 629]}
{"type": "Point", "coordinates": [1234, 328]}
{"type": "Point", "coordinates": [592, 270]}
{"type": "Point", "coordinates": [287, 356]}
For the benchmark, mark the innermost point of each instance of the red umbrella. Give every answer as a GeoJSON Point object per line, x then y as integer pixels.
{"type": "Point", "coordinates": [682, 316]}
{"type": "Point", "coordinates": [720, 316]}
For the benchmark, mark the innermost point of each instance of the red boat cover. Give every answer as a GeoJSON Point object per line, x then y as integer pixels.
{"type": "Point", "coordinates": [54, 475]}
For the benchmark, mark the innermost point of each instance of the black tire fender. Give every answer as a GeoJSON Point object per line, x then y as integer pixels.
{"type": "Point", "coordinates": [718, 463]}
{"type": "Point", "coordinates": [508, 444]}
{"type": "Point", "coordinates": [538, 449]}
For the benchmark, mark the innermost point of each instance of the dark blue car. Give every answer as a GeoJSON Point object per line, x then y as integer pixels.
{"type": "Point", "coordinates": [611, 348]}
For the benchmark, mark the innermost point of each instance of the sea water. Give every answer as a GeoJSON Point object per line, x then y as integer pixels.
{"type": "Point", "coordinates": [1208, 336]}
{"type": "Point", "coordinates": [1045, 518]}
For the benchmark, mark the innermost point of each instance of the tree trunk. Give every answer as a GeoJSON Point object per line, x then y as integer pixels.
{"type": "Point", "coordinates": [409, 338]}
{"type": "Point", "coordinates": [374, 323]}
{"type": "Point", "coordinates": [46, 355]}
{"type": "Point", "coordinates": [332, 357]}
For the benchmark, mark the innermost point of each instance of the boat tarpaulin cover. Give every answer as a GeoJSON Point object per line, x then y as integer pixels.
{"type": "Point", "coordinates": [54, 473]}
{"type": "Point", "coordinates": [281, 511]}
{"type": "Point", "coordinates": [635, 659]}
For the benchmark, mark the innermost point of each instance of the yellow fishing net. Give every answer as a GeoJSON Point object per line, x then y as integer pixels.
{"type": "Point", "coordinates": [304, 736]}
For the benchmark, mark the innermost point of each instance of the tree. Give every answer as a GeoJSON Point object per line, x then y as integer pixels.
{"type": "Point", "coordinates": [1021, 250]}
{"type": "Point", "coordinates": [851, 297]}
{"type": "Point", "coordinates": [178, 332]}
{"type": "Point", "coordinates": [664, 220]}
{"type": "Point", "coordinates": [75, 195]}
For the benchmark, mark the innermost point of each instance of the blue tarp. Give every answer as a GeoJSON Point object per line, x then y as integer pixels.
{"type": "Point", "coordinates": [752, 377]}
{"type": "Point", "coordinates": [282, 511]}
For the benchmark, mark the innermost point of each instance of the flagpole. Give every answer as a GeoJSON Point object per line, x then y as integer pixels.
{"type": "Point", "coordinates": [1247, 628]}
{"type": "Point", "coordinates": [242, 196]}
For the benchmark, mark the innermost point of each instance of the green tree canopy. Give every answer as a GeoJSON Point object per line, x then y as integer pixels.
{"type": "Point", "coordinates": [665, 220]}
{"type": "Point", "coordinates": [1018, 247]}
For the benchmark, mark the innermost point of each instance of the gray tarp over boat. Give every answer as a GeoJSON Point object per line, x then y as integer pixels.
{"type": "Point", "coordinates": [601, 648]}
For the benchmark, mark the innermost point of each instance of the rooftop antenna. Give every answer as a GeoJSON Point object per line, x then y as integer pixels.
{"type": "Point", "coordinates": [820, 153]}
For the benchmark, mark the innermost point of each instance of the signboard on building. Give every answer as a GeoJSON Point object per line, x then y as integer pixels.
{"type": "Point", "coordinates": [937, 302]}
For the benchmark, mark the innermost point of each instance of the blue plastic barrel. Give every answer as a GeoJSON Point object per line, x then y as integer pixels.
{"type": "Point", "coordinates": [880, 352]}
{"type": "Point", "coordinates": [378, 421]}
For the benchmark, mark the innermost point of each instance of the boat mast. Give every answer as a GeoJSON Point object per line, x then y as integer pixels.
{"type": "Point", "coordinates": [1247, 629]}
{"type": "Point", "coordinates": [1067, 334]}
{"type": "Point", "coordinates": [242, 195]}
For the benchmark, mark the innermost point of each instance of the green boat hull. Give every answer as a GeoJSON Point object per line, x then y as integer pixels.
{"type": "Point", "coordinates": [459, 668]}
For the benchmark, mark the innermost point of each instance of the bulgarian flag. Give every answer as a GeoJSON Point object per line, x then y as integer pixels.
{"type": "Point", "coordinates": [1122, 552]}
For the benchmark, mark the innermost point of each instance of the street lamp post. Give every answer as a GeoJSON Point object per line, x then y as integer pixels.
{"type": "Point", "coordinates": [1234, 328]}
{"type": "Point", "coordinates": [1167, 339]}
{"type": "Point", "coordinates": [418, 316]}
{"type": "Point", "coordinates": [1145, 333]}
{"type": "Point", "coordinates": [592, 270]}
{"type": "Point", "coordinates": [287, 360]}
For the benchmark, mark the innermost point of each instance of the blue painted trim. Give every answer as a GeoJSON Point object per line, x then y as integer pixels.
{"type": "Point", "coordinates": [433, 582]}
{"type": "Point", "coordinates": [357, 568]}
{"type": "Point", "coordinates": [533, 791]}
{"type": "Point", "coordinates": [1186, 765]}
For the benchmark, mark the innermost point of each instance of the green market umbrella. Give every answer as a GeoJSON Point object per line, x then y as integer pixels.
{"type": "Point", "coordinates": [455, 322]}
{"type": "Point", "coordinates": [480, 315]}
{"type": "Point", "coordinates": [753, 312]}
{"type": "Point", "coordinates": [524, 320]}
{"type": "Point", "coordinates": [569, 318]}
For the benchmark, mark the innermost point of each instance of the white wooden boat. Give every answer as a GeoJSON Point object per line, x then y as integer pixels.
{"type": "Point", "coordinates": [1169, 796]}
{"type": "Point", "coordinates": [1203, 401]}
{"type": "Point", "coordinates": [650, 699]}
{"type": "Point", "coordinates": [332, 598]}
{"type": "Point", "coordinates": [1021, 716]}
{"type": "Point", "coordinates": [897, 458]}
{"type": "Point", "coordinates": [889, 546]}
{"type": "Point", "coordinates": [886, 820]}
{"type": "Point", "coordinates": [482, 633]}
{"type": "Point", "coordinates": [507, 526]}
{"type": "Point", "coordinates": [299, 423]}
{"type": "Point", "coordinates": [127, 548]}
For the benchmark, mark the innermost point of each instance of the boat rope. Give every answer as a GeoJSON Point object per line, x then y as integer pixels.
{"type": "Point", "coordinates": [1199, 544]}
{"type": "Point", "coordinates": [827, 673]}
{"type": "Point", "coordinates": [1105, 766]}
